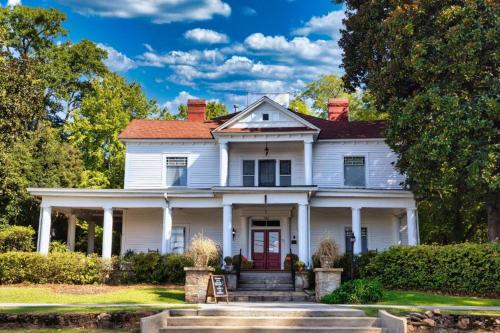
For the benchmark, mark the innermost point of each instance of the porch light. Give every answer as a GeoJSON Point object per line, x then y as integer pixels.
{"type": "Point", "coordinates": [234, 233]}
{"type": "Point", "coordinates": [266, 150]}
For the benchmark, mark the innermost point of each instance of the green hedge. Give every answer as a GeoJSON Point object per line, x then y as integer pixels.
{"type": "Point", "coordinates": [16, 238]}
{"type": "Point", "coordinates": [70, 267]}
{"type": "Point", "coordinates": [462, 268]}
{"type": "Point", "coordinates": [358, 291]}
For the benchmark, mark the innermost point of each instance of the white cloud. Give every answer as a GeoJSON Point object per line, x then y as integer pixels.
{"type": "Point", "coordinates": [248, 11]}
{"type": "Point", "coordinates": [159, 11]}
{"type": "Point", "coordinates": [206, 36]}
{"type": "Point", "coordinates": [329, 24]}
{"type": "Point", "coordinates": [194, 57]}
{"type": "Point", "coordinates": [117, 61]}
{"type": "Point", "coordinates": [181, 98]}
{"type": "Point", "coordinates": [318, 50]}
{"type": "Point", "coordinates": [12, 3]}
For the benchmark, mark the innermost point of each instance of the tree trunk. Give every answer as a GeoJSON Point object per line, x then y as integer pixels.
{"type": "Point", "coordinates": [493, 222]}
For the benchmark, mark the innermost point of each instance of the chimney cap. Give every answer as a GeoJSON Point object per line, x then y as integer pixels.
{"type": "Point", "coordinates": [338, 102]}
{"type": "Point", "coordinates": [197, 101]}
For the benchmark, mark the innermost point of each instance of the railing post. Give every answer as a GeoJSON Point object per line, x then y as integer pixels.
{"type": "Point", "coordinates": [292, 268]}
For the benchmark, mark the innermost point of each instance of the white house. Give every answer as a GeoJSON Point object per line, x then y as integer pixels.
{"type": "Point", "coordinates": [265, 181]}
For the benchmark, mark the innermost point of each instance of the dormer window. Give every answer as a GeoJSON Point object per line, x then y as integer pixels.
{"type": "Point", "coordinates": [265, 116]}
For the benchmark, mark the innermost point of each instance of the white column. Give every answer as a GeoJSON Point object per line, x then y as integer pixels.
{"type": "Point", "coordinates": [303, 234]}
{"type": "Point", "coordinates": [107, 232]}
{"type": "Point", "coordinates": [70, 239]}
{"type": "Point", "coordinates": [411, 220]}
{"type": "Point", "coordinates": [227, 231]}
{"type": "Point", "coordinates": [223, 163]}
{"type": "Point", "coordinates": [244, 236]}
{"type": "Point", "coordinates": [45, 230]}
{"type": "Point", "coordinates": [356, 229]}
{"type": "Point", "coordinates": [90, 236]}
{"type": "Point", "coordinates": [166, 245]}
{"type": "Point", "coordinates": [308, 178]}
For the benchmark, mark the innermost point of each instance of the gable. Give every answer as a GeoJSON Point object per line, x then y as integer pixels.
{"type": "Point", "coordinates": [266, 114]}
{"type": "Point", "coordinates": [276, 119]}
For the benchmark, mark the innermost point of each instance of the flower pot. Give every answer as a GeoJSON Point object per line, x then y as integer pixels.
{"type": "Point", "coordinates": [326, 262]}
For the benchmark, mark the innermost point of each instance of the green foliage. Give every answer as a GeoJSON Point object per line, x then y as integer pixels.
{"type": "Point", "coordinates": [299, 106]}
{"type": "Point", "coordinates": [462, 268]}
{"type": "Point", "coordinates": [103, 114]}
{"type": "Point", "coordinates": [360, 263]}
{"type": "Point", "coordinates": [215, 109]}
{"type": "Point", "coordinates": [433, 67]}
{"type": "Point", "coordinates": [70, 267]}
{"type": "Point", "coordinates": [16, 238]}
{"type": "Point", "coordinates": [58, 247]}
{"type": "Point", "coordinates": [358, 291]}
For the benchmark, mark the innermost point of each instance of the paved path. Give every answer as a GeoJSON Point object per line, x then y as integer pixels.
{"type": "Point", "coordinates": [237, 306]}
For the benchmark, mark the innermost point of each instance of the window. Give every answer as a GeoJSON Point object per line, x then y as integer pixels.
{"type": "Point", "coordinates": [248, 173]}
{"type": "Point", "coordinates": [267, 172]}
{"type": "Point", "coordinates": [266, 224]}
{"type": "Point", "coordinates": [354, 171]}
{"type": "Point", "coordinates": [364, 240]}
{"type": "Point", "coordinates": [286, 173]}
{"type": "Point", "coordinates": [178, 239]}
{"type": "Point", "coordinates": [176, 171]}
{"type": "Point", "coordinates": [265, 116]}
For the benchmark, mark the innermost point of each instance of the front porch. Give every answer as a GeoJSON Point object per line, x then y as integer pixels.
{"type": "Point", "coordinates": [264, 223]}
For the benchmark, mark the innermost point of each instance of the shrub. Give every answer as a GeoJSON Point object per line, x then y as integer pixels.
{"type": "Point", "coordinates": [360, 263]}
{"type": "Point", "coordinates": [70, 267]}
{"type": "Point", "coordinates": [58, 246]}
{"type": "Point", "coordinates": [461, 268]}
{"type": "Point", "coordinates": [358, 291]}
{"type": "Point", "coordinates": [16, 238]}
{"type": "Point", "coordinates": [174, 267]}
{"type": "Point", "coordinates": [203, 250]}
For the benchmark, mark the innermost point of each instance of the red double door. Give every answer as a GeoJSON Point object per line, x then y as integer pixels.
{"type": "Point", "coordinates": [266, 249]}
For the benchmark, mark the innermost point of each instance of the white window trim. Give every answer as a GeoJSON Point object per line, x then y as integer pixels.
{"type": "Point", "coordinates": [367, 181]}
{"type": "Point", "coordinates": [277, 169]}
{"type": "Point", "coordinates": [187, 241]}
{"type": "Point", "coordinates": [164, 169]}
{"type": "Point", "coordinates": [255, 170]}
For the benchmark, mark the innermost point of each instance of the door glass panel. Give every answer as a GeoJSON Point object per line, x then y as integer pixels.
{"type": "Point", "coordinates": [258, 242]}
{"type": "Point", "coordinates": [274, 242]}
{"type": "Point", "coordinates": [267, 173]}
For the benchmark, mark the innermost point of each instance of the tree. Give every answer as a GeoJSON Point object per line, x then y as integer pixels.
{"type": "Point", "coordinates": [433, 67]}
{"type": "Point", "coordinates": [183, 112]}
{"type": "Point", "coordinates": [215, 109]}
{"type": "Point", "coordinates": [103, 114]}
{"type": "Point", "coordinates": [332, 86]}
{"type": "Point", "coordinates": [299, 106]}
{"type": "Point", "coordinates": [41, 159]}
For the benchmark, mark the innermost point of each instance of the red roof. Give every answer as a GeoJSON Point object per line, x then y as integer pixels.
{"type": "Point", "coordinates": [182, 129]}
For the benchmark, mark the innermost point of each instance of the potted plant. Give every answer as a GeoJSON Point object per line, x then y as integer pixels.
{"type": "Point", "coordinates": [327, 252]}
{"type": "Point", "coordinates": [300, 266]}
{"type": "Point", "coordinates": [202, 250]}
{"type": "Point", "coordinates": [288, 260]}
{"type": "Point", "coordinates": [228, 263]}
{"type": "Point", "coordinates": [247, 264]}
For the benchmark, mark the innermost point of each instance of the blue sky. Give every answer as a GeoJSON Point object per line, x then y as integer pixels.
{"type": "Point", "coordinates": [213, 49]}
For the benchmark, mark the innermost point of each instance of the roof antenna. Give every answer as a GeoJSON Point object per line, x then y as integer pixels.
{"type": "Point", "coordinates": [235, 106]}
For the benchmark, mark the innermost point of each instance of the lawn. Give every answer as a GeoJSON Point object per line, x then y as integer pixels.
{"type": "Point", "coordinates": [394, 297]}
{"type": "Point", "coordinates": [71, 294]}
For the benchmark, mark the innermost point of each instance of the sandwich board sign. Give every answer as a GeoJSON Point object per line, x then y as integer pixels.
{"type": "Point", "coordinates": [217, 288]}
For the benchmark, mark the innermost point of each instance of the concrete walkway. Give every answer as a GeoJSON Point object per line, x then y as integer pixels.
{"type": "Point", "coordinates": [255, 306]}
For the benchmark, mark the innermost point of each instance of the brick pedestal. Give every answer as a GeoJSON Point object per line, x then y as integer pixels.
{"type": "Point", "coordinates": [196, 284]}
{"type": "Point", "coordinates": [327, 280]}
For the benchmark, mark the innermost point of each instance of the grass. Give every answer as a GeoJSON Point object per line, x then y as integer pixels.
{"type": "Point", "coordinates": [63, 330]}
{"type": "Point", "coordinates": [70, 294]}
{"type": "Point", "coordinates": [396, 297]}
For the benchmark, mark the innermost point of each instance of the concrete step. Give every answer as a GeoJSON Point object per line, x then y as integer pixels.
{"type": "Point", "coordinates": [261, 299]}
{"type": "Point", "coordinates": [270, 287]}
{"type": "Point", "coordinates": [269, 321]}
{"type": "Point", "coordinates": [275, 329]}
{"type": "Point", "coordinates": [265, 311]}
{"type": "Point", "coordinates": [264, 281]}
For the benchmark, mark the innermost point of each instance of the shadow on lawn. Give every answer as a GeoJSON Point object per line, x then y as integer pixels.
{"type": "Point", "coordinates": [168, 295]}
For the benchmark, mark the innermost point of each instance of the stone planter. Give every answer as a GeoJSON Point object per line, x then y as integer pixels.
{"type": "Point", "coordinates": [301, 280]}
{"type": "Point", "coordinates": [231, 280]}
{"type": "Point", "coordinates": [327, 280]}
{"type": "Point", "coordinates": [196, 283]}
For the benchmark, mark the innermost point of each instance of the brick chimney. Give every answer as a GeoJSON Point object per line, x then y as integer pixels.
{"type": "Point", "coordinates": [338, 109]}
{"type": "Point", "coordinates": [196, 110]}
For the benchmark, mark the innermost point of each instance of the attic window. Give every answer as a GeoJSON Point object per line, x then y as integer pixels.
{"type": "Point", "coordinates": [265, 116]}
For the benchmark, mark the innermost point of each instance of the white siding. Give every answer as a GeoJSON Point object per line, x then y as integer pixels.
{"type": "Point", "coordinates": [142, 229]}
{"type": "Point", "coordinates": [276, 119]}
{"type": "Point", "coordinates": [144, 165]}
{"type": "Point", "coordinates": [328, 163]}
{"type": "Point", "coordinates": [253, 151]}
